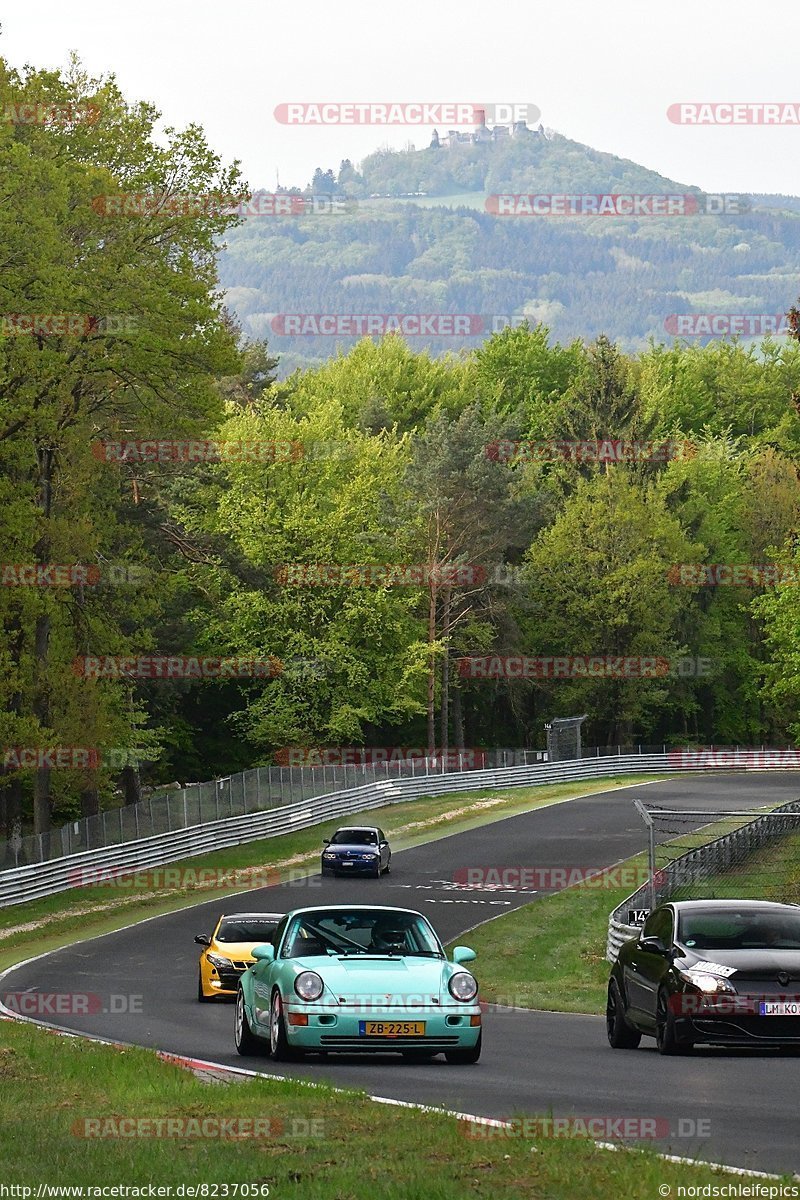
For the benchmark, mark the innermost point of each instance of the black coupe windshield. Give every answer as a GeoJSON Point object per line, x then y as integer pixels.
{"type": "Point", "coordinates": [250, 930]}
{"type": "Point", "coordinates": [723, 929]}
{"type": "Point", "coordinates": [355, 837]}
{"type": "Point", "coordinates": [360, 931]}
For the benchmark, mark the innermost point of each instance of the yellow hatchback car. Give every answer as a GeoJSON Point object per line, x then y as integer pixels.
{"type": "Point", "coordinates": [228, 952]}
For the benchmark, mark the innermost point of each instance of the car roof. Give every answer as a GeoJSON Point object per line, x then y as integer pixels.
{"type": "Point", "coordinates": [388, 908]}
{"type": "Point", "coordinates": [371, 828]}
{"type": "Point", "coordinates": [731, 905]}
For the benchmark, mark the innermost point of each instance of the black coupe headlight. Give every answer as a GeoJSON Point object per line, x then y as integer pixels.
{"type": "Point", "coordinates": [463, 986]}
{"type": "Point", "coordinates": [309, 985]}
{"type": "Point", "coordinates": [704, 981]}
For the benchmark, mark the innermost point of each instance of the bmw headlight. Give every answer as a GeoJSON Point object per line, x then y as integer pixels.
{"type": "Point", "coordinates": [705, 982]}
{"type": "Point", "coordinates": [222, 964]}
{"type": "Point", "coordinates": [463, 986]}
{"type": "Point", "coordinates": [309, 985]}
{"type": "Point", "coordinates": [329, 854]}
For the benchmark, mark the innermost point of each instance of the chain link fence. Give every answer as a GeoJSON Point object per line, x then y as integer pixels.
{"type": "Point", "coordinates": [706, 855]}
{"type": "Point", "coordinates": [236, 795]}
{"type": "Point", "coordinates": [263, 788]}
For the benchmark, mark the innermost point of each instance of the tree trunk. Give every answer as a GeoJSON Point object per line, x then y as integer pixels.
{"type": "Point", "coordinates": [129, 780]}
{"type": "Point", "coordinates": [11, 789]}
{"type": "Point", "coordinates": [11, 812]}
{"type": "Point", "coordinates": [432, 670]}
{"type": "Point", "coordinates": [90, 802]}
{"type": "Point", "coordinates": [458, 717]}
{"type": "Point", "coordinates": [445, 715]}
{"type": "Point", "coordinates": [41, 704]}
{"type": "Point", "coordinates": [41, 710]}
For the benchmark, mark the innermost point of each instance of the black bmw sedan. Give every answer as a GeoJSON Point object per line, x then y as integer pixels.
{"type": "Point", "coordinates": [719, 972]}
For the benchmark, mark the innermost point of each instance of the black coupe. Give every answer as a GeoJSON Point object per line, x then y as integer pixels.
{"type": "Point", "coordinates": [720, 972]}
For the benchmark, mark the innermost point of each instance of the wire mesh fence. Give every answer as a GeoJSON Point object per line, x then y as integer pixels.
{"type": "Point", "coordinates": [273, 786]}
{"type": "Point", "coordinates": [699, 855]}
{"type": "Point", "coordinates": [237, 795]}
{"type": "Point", "coordinates": [712, 855]}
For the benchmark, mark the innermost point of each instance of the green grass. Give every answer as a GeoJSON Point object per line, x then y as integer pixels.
{"type": "Point", "coordinates": [41, 925]}
{"type": "Point", "coordinates": [323, 1145]}
{"type": "Point", "coordinates": [551, 953]}
{"type": "Point", "coordinates": [771, 873]}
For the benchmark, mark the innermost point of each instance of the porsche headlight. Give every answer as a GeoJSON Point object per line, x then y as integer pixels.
{"type": "Point", "coordinates": [309, 985]}
{"type": "Point", "coordinates": [222, 964]}
{"type": "Point", "coordinates": [463, 986]}
{"type": "Point", "coordinates": [707, 983]}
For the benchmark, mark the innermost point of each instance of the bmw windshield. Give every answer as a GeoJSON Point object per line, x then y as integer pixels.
{"type": "Point", "coordinates": [355, 837]}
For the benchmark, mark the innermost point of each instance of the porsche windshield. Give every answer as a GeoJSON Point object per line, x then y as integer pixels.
{"type": "Point", "coordinates": [360, 931]}
{"type": "Point", "coordinates": [728, 929]}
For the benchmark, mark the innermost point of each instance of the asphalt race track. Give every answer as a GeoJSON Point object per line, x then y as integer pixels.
{"type": "Point", "coordinates": [533, 1063]}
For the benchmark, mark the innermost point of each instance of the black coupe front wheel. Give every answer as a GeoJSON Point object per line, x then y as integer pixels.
{"type": "Point", "coordinates": [621, 1035]}
{"type": "Point", "coordinates": [667, 1039]}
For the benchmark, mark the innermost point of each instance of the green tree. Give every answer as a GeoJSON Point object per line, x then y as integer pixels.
{"type": "Point", "coordinates": [130, 337]}
{"type": "Point", "coordinates": [597, 583]}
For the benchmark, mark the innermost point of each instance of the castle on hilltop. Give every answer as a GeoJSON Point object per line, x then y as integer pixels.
{"type": "Point", "coordinates": [482, 134]}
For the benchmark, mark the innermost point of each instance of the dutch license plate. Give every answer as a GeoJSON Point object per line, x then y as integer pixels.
{"type": "Point", "coordinates": [780, 1008]}
{"type": "Point", "coordinates": [391, 1028]}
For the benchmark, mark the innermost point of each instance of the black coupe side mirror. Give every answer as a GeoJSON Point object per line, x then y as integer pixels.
{"type": "Point", "coordinates": [202, 940]}
{"type": "Point", "coordinates": [652, 945]}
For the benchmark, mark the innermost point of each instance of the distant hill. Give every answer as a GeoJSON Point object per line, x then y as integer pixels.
{"type": "Point", "coordinates": [394, 251]}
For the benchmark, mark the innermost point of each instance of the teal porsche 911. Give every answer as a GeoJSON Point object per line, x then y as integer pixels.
{"type": "Point", "coordinates": [358, 978]}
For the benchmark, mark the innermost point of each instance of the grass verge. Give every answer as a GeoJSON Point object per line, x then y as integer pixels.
{"type": "Point", "coordinates": [38, 926]}
{"type": "Point", "coordinates": [319, 1143]}
{"type": "Point", "coordinates": [551, 953]}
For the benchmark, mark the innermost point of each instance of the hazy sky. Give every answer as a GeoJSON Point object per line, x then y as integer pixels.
{"type": "Point", "coordinates": [601, 74]}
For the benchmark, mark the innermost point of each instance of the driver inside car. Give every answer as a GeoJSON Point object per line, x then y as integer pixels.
{"type": "Point", "coordinates": [387, 936]}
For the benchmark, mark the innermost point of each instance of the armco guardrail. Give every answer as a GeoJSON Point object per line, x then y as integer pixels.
{"type": "Point", "coordinates": [44, 879]}
{"type": "Point", "coordinates": [697, 865]}
{"type": "Point", "coordinates": [229, 796]}
{"type": "Point", "coordinates": [58, 875]}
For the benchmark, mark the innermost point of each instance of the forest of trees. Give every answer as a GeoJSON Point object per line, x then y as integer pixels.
{"type": "Point", "coordinates": [385, 456]}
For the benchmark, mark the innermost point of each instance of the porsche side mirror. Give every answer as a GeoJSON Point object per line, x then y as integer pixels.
{"type": "Point", "coordinates": [463, 954]}
{"type": "Point", "coordinates": [264, 953]}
